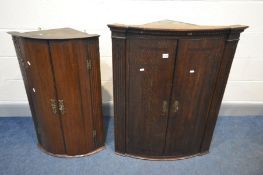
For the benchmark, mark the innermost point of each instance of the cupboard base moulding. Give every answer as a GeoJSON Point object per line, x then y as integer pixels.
{"type": "Point", "coordinates": [69, 156]}
{"type": "Point", "coordinates": [164, 158]}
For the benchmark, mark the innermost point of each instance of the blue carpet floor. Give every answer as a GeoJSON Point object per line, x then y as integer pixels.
{"type": "Point", "coordinates": [237, 149]}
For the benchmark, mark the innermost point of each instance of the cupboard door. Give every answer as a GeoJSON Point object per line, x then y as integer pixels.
{"type": "Point", "coordinates": [76, 120]}
{"type": "Point", "coordinates": [197, 66]}
{"type": "Point", "coordinates": [42, 91]}
{"type": "Point", "coordinates": [150, 71]}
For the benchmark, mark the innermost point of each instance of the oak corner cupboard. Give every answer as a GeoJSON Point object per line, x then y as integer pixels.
{"type": "Point", "coordinates": [61, 73]}
{"type": "Point", "coordinates": [169, 79]}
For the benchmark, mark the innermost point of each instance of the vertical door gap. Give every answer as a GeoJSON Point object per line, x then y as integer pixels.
{"type": "Point", "coordinates": [171, 98]}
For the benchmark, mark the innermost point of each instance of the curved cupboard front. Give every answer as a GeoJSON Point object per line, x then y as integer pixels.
{"type": "Point", "coordinates": [61, 73]}
{"type": "Point", "coordinates": [169, 80]}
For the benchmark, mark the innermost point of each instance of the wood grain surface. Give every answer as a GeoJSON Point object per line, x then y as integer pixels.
{"type": "Point", "coordinates": [168, 107]}
{"type": "Point", "coordinates": [57, 69]}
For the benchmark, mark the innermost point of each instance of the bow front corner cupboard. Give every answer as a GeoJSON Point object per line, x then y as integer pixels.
{"type": "Point", "coordinates": [61, 73]}
{"type": "Point", "coordinates": [169, 79]}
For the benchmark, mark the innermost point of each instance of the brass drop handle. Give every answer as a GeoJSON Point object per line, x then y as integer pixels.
{"type": "Point", "coordinates": [61, 106]}
{"type": "Point", "coordinates": [53, 105]}
{"type": "Point", "coordinates": [165, 107]}
{"type": "Point", "coordinates": [176, 106]}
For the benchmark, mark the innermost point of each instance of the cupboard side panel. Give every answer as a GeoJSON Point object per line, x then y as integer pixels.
{"type": "Point", "coordinates": [42, 90]}
{"type": "Point", "coordinates": [227, 59]}
{"type": "Point", "coordinates": [97, 116]}
{"type": "Point", "coordinates": [18, 43]}
{"type": "Point", "coordinates": [119, 92]}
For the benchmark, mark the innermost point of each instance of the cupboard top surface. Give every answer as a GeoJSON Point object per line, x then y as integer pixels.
{"type": "Point", "coordinates": [61, 33]}
{"type": "Point", "coordinates": [170, 25]}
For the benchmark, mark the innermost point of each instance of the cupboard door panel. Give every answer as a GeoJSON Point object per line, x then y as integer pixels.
{"type": "Point", "coordinates": [42, 90]}
{"type": "Point", "coordinates": [197, 66]}
{"type": "Point", "coordinates": [64, 56]}
{"type": "Point", "coordinates": [82, 52]}
{"type": "Point", "coordinates": [151, 64]}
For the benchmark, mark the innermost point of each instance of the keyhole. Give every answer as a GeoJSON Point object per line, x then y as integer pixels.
{"type": "Point", "coordinates": [34, 90]}
{"type": "Point", "coordinates": [28, 63]}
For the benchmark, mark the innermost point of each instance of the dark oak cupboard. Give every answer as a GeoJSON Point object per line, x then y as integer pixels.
{"type": "Point", "coordinates": [169, 79]}
{"type": "Point", "coordinates": [61, 73]}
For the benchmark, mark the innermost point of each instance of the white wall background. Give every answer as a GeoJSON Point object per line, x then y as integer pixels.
{"type": "Point", "coordinates": [246, 79]}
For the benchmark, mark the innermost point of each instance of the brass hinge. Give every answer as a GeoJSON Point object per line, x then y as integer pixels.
{"type": "Point", "coordinates": [38, 130]}
{"type": "Point", "coordinates": [55, 107]}
{"type": "Point", "coordinates": [89, 65]}
{"type": "Point", "coordinates": [53, 104]}
{"type": "Point", "coordinates": [61, 106]}
{"type": "Point", "coordinates": [94, 134]}
{"type": "Point", "coordinates": [176, 106]}
{"type": "Point", "coordinates": [165, 107]}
